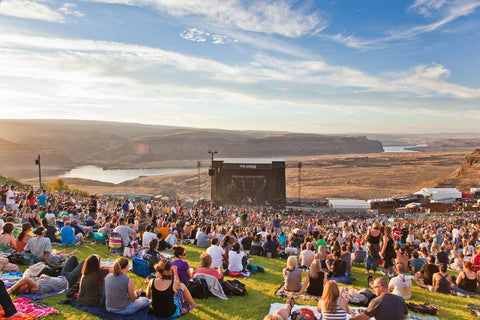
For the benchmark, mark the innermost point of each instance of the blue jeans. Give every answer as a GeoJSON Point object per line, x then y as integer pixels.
{"type": "Point", "coordinates": [136, 305]}
{"type": "Point", "coordinates": [371, 263]}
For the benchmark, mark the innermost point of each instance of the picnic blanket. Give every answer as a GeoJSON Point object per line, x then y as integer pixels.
{"type": "Point", "coordinates": [419, 282]}
{"type": "Point", "coordinates": [35, 296]}
{"type": "Point", "coordinates": [101, 312]}
{"type": "Point", "coordinates": [282, 293]}
{"type": "Point", "coordinates": [276, 306]}
{"type": "Point", "coordinates": [29, 309]}
{"type": "Point", "coordinates": [474, 309]}
{"type": "Point", "coordinates": [10, 278]}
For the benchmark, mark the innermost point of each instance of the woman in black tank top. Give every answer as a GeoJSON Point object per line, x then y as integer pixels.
{"type": "Point", "coordinates": [170, 297]}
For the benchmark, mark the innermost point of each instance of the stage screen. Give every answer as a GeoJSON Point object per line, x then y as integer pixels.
{"type": "Point", "coordinates": [249, 181]}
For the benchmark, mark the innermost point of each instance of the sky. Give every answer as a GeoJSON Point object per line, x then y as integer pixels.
{"type": "Point", "coordinates": [317, 66]}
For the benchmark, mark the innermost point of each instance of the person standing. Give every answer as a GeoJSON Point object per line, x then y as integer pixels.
{"type": "Point", "coordinates": [11, 204]}
{"type": "Point", "coordinates": [373, 248]}
{"type": "Point", "coordinates": [386, 306]}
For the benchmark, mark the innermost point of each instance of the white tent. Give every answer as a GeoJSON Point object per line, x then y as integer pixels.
{"type": "Point", "coordinates": [445, 195]}
{"type": "Point", "coordinates": [348, 204]}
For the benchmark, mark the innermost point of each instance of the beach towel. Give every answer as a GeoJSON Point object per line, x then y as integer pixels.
{"type": "Point", "coordinates": [101, 312]}
{"type": "Point", "coordinates": [245, 274]}
{"type": "Point", "coordinates": [10, 278]}
{"type": "Point", "coordinates": [29, 309]}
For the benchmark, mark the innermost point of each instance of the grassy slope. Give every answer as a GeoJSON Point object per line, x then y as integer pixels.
{"type": "Point", "coordinates": [261, 289]}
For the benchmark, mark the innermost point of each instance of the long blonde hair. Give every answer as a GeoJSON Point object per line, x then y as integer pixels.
{"type": "Point", "coordinates": [292, 263]}
{"type": "Point", "coordinates": [330, 296]}
{"type": "Point", "coordinates": [315, 269]}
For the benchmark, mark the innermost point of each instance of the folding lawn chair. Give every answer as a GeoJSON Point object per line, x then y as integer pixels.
{"type": "Point", "coordinates": [115, 243]}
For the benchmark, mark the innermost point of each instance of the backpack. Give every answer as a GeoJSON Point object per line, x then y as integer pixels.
{"type": "Point", "coordinates": [198, 289]}
{"type": "Point", "coordinates": [303, 314]}
{"type": "Point", "coordinates": [141, 267]}
{"type": "Point", "coordinates": [422, 308]}
{"type": "Point", "coordinates": [234, 288]}
{"type": "Point", "coordinates": [358, 299]}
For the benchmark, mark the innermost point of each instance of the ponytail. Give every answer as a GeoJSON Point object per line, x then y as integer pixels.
{"type": "Point", "coordinates": [121, 263]}
{"type": "Point", "coordinates": [25, 227]}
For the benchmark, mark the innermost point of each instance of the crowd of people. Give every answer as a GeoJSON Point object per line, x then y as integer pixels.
{"type": "Point", "coordinates": [319, 249]}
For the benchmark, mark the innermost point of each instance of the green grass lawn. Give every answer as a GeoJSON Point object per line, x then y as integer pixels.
{"type": "Point", "coordinates": [261, 288]}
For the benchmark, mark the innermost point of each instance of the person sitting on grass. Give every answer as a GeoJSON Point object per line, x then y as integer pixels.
{"type": "Point", "coordinates": [24, 236]}
{"type": "Point", "coordinates": [205, 267]}
{"type": "Point", "coordinates": [120, 294]}
{"type": "Point", "coordinates": [41, 248]}
{"type": "Point", "coordinates": [183, 268]}
{"type": "Point", "coordinates": [292, 275]}
{"type": "Point", "coordinates": [401, 285]}
{"type": "Point", "coordinates": [152, 255]}
{"type": "Point", "coordinates": [315, 280]}
{"type": "Point", "coordinates": [68, 237]}
{"type": "Point", "coordinates": [442, 281]}
{"type": "Point", "coordinates": [92, 282]}
{"type": "Point", "coordinates": [331, 305]}
{"type": "Point", "coordinates": [7, 239]}
{"type": "Point", "coordinates": [170, 297]}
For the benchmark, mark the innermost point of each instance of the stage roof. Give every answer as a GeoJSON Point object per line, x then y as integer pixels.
{"type": "Point", "coordinates": [250, 160]}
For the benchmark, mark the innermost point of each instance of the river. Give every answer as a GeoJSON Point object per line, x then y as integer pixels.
{"type": "Point", "coordinates": [118, 175]}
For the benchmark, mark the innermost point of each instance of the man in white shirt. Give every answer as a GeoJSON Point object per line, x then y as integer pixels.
{"type": "Point", "coordinates": [401, 285]}
{"type": "Point", "coordinates": [217, 253]}
{"type": "Point", "coordinates": [125, 231]}
{"type": "Point", "coordinates": [306, 256]}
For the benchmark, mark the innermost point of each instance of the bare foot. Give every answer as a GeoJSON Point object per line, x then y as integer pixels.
{"type": "Point", "coordinates": [194, 306]}
{"type": "Point", "coordinates": [61, 252]}
{"type": "Point", "coordinates": [73, 252]}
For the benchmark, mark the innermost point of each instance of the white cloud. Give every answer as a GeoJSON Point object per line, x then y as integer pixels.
{"type": "Point", "coordinates": [193, 34]}
{"type": "Point", "coordinates": [427, 80]}
{"type": "Point", "coordinates": [30, 9]}
{"type": "Point", "coordinates": [269, 16]}
{"type": "Point", "coordinates": [350, 41]}
{"type": "Point", "coordinates": [70, 9]}
{"type": "Point", "coordinates": [441, 11]}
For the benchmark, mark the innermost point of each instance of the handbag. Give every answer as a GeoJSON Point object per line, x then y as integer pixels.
{"type": "Point", "coordinates": [128, 252]}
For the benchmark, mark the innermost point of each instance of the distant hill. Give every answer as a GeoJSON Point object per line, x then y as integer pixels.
{"type": "Point", "coordinates": [465, 177]}
{"type": "Point", "coordinates": [64, 144]}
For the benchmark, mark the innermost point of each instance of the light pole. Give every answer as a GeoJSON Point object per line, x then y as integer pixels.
{"type": "Point", "coordinates": [198, 179]}
{"type": "Point", "coordinates": [37, 162]}
{"type": "Point", "coordinates": [211, 173]}
{"type": "Point", "coordinates": [300, 183]}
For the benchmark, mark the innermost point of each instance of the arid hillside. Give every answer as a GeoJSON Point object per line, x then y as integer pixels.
{"type": "Point", "coordinates": [466, 176]}
{"type": "Point", "coordinates": [352, 176]}
{"type": "Point", "coordinates": [65, 144]}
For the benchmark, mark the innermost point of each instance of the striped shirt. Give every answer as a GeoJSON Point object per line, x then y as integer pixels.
{"type": "Point", "coordinates": [339, 315]}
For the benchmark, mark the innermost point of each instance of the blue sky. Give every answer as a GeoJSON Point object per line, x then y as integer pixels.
{"type": "Point", "coordinates": [305, 66]}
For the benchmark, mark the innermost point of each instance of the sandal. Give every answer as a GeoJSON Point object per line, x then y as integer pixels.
{"type": "Point", "coordinates": [291, 302]}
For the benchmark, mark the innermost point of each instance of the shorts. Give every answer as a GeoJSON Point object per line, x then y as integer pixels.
{"type": "Point", "coordinates": [180, 302]}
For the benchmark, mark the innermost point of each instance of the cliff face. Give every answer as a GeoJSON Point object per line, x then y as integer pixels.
{"type": "Point", "coordinates": [66, 144]}
{"type": "Point", "coordinates": [465, 177]}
